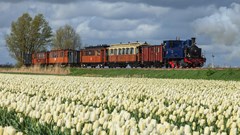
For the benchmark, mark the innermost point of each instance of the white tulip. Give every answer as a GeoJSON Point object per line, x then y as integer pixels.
{"type": "Point", "coordinates": [73, 132]}
{"type": "Point", "coordinates": [103, 132]}
{"type": "Point", "coordinates": [187, 129]}
{"type": "Point", "coordinates": [68, 124]}
{"type": "Point", "coordinates": [196, 133]}
{"type": "Point", "coordinates": [59, 123]}
{"type": "Point", "coordinates": [9, 131]}
{"type": "Point", "coordinates": [206, 131]}
{"type": "Point", "coordinates": [19, 133]}
{"type": "Point", "coordinates": [1, 130]}
{"type": "Point", "coordinates": [21, 120]}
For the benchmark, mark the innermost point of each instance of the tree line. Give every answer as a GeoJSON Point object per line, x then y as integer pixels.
{"type": "Point", "coordinates": [33, 34]}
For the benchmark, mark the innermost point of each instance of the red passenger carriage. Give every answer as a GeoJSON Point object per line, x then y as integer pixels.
{"type": "Point", "coordinates": [40, 58]}
{"type": "Point", "coordinates": [121, 55]}
{"type": "Point", "coordinates": [152, 56]}
{"type": "Point", "coordinates": [94, 56]}
{"type": "Point", "coordinates": [63, 57]}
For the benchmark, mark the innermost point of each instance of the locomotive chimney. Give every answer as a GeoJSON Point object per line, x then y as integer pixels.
{"type": "Point", "coordinates": [193, 41]}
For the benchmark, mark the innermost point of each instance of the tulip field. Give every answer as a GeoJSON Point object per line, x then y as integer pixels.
{"type": "Point", "coordinates": [47, 104]}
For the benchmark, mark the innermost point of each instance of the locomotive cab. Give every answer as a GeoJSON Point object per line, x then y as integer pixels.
{"type": "Point", "coordinates": [193, 55]}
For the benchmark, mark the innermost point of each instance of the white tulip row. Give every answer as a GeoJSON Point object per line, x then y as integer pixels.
{"type": "Point", "coordinates": [9, 131]}
{"type": "Point", "coordinates": [125, 105]}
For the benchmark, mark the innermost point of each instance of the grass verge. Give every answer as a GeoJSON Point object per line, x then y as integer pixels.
{"type": "Point", "coordinates": [208, 74]}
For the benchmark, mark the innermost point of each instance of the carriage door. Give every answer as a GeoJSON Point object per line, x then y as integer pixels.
{"type": "Point", "coordinates": [106, 54]}
{"type": "Point", "coordinates": [139, 53]}
{"type": "Point", "coordinates": [70, 57]}
{"type": "Point", "coordinates": [47, 57]}
{"type": "Point", "coordinates": [75, 57]}
{"type": "Point", "coordinates": [102, 55]}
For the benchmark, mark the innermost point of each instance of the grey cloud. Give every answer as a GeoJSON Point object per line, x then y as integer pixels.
{"type": "Point", "coordinates": [162, 3]}
{"type": "Point", "coordinates": [4, 54]}
{"type": "Point", "coordinates": [11, 11]}
{"type": "Point", "coordinates": [119, 10]}
{"type": "Point", "coordinates": [116, 25]}
{"type": "Point", "coordinates": [58, 1]}
{"type": "Point", "coordinates": [180, 3]}
{"type": "Point", "coordinates": [46, 1]}
{"type": "Point", "coordinates": [12, 1]}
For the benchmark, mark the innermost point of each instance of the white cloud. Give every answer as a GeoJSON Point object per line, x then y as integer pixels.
{"type": "Point", "coordinates": [223, 27]}
{"type": "Point", "coordinates": [127, 30]}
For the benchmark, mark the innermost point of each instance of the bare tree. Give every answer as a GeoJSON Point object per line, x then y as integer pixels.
{"type": "Point", "coordinates": [66, 38]}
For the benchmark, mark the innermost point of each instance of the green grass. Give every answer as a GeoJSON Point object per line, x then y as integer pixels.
{"type": "Point", "coordinates": [209, 74]}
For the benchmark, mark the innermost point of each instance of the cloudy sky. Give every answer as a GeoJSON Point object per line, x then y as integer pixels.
{"type": "Point", "coordinates": [215, 23]}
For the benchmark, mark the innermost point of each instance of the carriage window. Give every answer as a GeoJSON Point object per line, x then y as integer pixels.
{"type": "Point", "coordinates": [136, 50]}
{"type": "Point", "coordinates": [61, 54]}
{"type": "Point", "coordinates": [119, 51]}
{"type": "Point", "coordinates": [43, 55]}
{"type": "Point", "coordinates": [53, 54]}
{"type": "Point", "coordinates": [124, 51]}
{"type": "Point", "coordinates": [127, 51]}
{"type": "Point", "coordinates": [131, 50]}
{"type": "Point", "coordinates": [89, 53]}
{"type": "Point", "coordinates": [111, 52]}
{"type": "Point", "coordinates": [85, 53]}
{"type": "Point", "coordinates": [98, 52]}
{"type": "Point", "coordinates": [92, 52]}
{"type": "Point", "coordinates": [115, 51]}
{"type": "Point", "coordinates": [56, 55]}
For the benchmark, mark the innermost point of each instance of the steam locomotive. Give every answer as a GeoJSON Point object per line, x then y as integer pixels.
{"type": "Point", "coordinates": [170, 54]}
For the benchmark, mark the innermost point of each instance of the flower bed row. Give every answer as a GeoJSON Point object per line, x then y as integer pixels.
{"type": "Point", "coordinates": [124, 105]}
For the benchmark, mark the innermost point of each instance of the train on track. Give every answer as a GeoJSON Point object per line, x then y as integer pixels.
{"type": "Point", "coordinates": [170, 54]}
